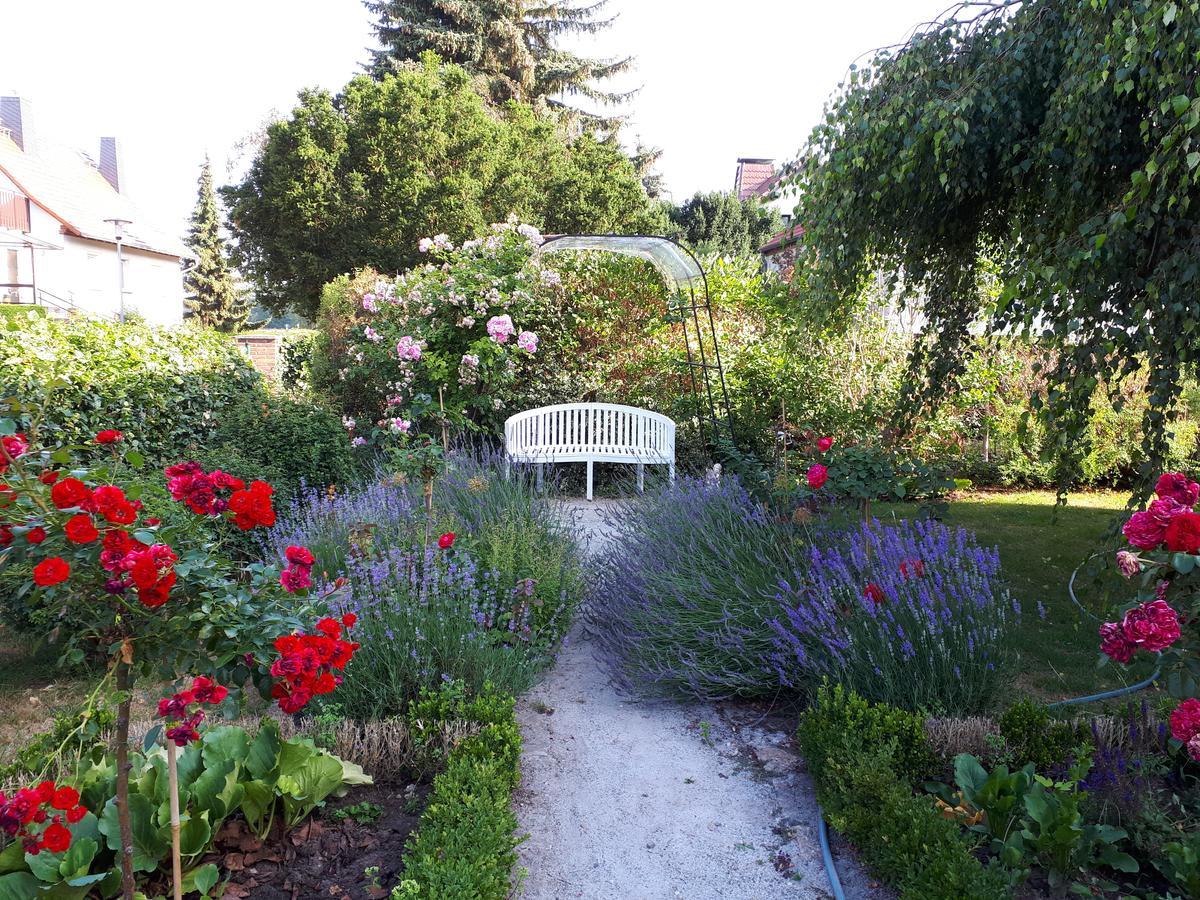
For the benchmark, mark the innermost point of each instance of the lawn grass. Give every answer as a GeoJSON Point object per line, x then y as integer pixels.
{"type": "Point", "coordinates": [1039, 547]}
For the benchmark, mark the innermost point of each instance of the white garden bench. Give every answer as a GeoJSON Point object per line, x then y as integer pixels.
{"type": "Point", "coordinates": [591, 433]}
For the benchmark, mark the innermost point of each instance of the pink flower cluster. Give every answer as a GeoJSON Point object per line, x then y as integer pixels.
{"type": "Point", "coordinates": [501, 328]}
{"type": "Point", "coordinates": [297, 575]}
{"type": "Point", "coordinates": [1168, 520]}
{"type": "Point", "coordinates": [1185, 726]}
{"type": "Point", "coordinates": [1152, 626]}
{"type": "Point", "coordinates": [527, 341]}
{"type": "Point", "coordinates": [408, 348]}
{"type": "Point", "coordinates": [184, 712]}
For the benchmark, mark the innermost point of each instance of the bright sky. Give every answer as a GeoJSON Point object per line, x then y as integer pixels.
{"type": "Point", "coordinates": [173, 80]}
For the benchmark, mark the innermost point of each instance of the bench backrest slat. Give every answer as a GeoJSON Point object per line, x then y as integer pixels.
{"type": "Point", "coordinates": [590, 428]}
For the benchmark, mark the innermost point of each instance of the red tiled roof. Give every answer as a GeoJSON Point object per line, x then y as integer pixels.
{"type": "Point", "coordinates": [74, 192]}
{"type": "Point", "coordinates": [754, 177]}
{"type": "Point", "coordinates": [790, 235]}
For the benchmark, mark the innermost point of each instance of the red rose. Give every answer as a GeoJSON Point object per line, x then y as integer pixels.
{"type": "Point", "coordinates": [56, 838]}
{"type": "Point", "coordinates": [35, 535]}
{"type": "Point", "coordinates": [252, 506]}
{"type": "Point", "coordinates": [300, 556]}
{"type": "Point", "coordinates": [823, 444]}
{"type": "Point", "coordinates": [349, 619]}
{"type": "Point", "coordinates": [330, 627]}
{"type": "Point", "coordinates": [6, 535]}
{"type": "Point", "coordinates": [205, 690]}
{"type": "Point", "coordinates": [1183, 533]}
{"type": "Point", "coordinates": [817, 476]}
{"type": "Point", "coordinates": [69, 492]}
{"type": "Point", "coordinates": [446, 541]}
{"type": "Point", "coordinates": [1153, 626]}
{"type": "Point", "coordinates": [80, 530]}
{"type": "Point", "coordinates": [50, 572]}
{"type": "Point", "coordinates": [48, 477]}
{"type": "Point", "coordinates": [108, 436]}
{"type": "Point", "coordinates": [65, 798]}
{"type": "Point", "coordinates": [295, 578]}
{"type": "Point", "coordinates": [7, 495]}
{"type": "Point", "coordinates": [76, 814]}
{"type": "Point", "coordinates": [874, 593]}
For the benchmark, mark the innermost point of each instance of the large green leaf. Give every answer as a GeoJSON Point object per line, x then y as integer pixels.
{"type": "Point", "coordinates": [202, 879]}
{"type": "Point", "coordinates": [194, 836]}
{"type": "Point", "coordinates": [262, 758]}
{"type": "Point", "coordinates": [216, 791]}
{"type": "Point", "coordinates": [308, 785]}
{"type": "Point", "coordinates": [257, 804]}
{"type": "Point", "coordinates": [150, 842]}
{"type": "Point", "coordinates": [353, 775]}
{"type": "Point", "coordinates": [18, 886]}
{"type": "Point", "coordinates": [12, 859]}
{"type": "Point", "coordinates": [226, 742]}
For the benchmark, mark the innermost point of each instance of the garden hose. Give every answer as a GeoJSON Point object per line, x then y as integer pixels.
{"type": "Point", "coordinates": [835, 883]}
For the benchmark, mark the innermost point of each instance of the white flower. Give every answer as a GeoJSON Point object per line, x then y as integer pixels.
{"type": "Point", "coordinates": [425, 245]}
{"type": "Point", "coordinates": [348, 423]}
{"type": "Point", "coordinates": [531, 234]}
{"type": "Point", "coordinates": [372, 335]}
{"type": "Point", "coordinates": [359, 441]}
{"type": "Point", "coordinates": [550, 278]}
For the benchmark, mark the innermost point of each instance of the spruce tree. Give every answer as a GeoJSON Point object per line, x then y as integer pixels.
{"type": "Point", "coordinates": [213, 299]}
{"type": "Point", "coordinates": [509, 44]}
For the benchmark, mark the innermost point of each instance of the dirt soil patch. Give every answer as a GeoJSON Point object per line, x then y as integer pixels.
{"type": "Point", "coordinates": [332, 855]}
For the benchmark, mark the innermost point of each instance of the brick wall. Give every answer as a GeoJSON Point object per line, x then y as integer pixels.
{"type": "Point", "coordinates": [263, 351]}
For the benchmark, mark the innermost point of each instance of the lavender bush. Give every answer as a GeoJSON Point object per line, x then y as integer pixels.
{"type": "Point", "coordinates": [490, 609]}
{"type": "Point", "coordinates": [686, 587]}
{"type": "Point", "coordinates": [427, 617]}
{"type": "Point", "coordinates": [912, 614]}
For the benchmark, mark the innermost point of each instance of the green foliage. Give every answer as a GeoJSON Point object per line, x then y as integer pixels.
{"type": "Point", "coordinates": [509, 45]}
{"type": "Point", "coordinates": [357, 179]}
{"type": "Point", "coordinates": [298, 441]}
{"type": "Point", "coordinates": [166, 389]}
{"type": "Point", "coordinates": [465, 845]}
{"type": "Point", "coordinates": [719, 223]}
{"type": "Point", "coordinates": [999, 794]}
{"type": "Point", "coordinates": [864, 472]}
{"type": "Point", "coordinates": [1180, 864]}
{"type": "Point", "coordinates": [1034, 164]}
{"type": "Point", "coordinates": [1032, 735]}
{"type": "Point", "coordinates": [901, 837]}
{"type": "Point", "coordinates": [836, 713]}
{"type": "Point", "coordinates": [214, 300]}
{"type": "Point", "coordinates": [296, 352]}
{"type": "Point", "coordinates": [229, 771]}
{"type": "Point", "coordinates": [72, 734]}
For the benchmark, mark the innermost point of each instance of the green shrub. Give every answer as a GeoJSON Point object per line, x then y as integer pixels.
{"type": "Point", "coordinates": [1032, 735]}
{"type": "Point", "coordinates": [465, 848]}
{"type": "Point", "coordinates": [166, 389]}
{"type": "Point", "coordinates": [836, 712]}
{"type": "Point", "coordinates": [300, 442]}
{"type": "Point", "coordinates": [296, 352]}
{"type": "Point", "coordinates": [900, 836]}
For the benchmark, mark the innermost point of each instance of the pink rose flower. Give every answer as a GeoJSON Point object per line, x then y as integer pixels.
{"type": "Point", "coordinates": [1152, 626]}
{"type": "Point", "coordinates": [817, 475]}
{"type": "Point", "coordinates": [1178, 487]}
{"type": "Point", "coordinates": [1128, 563]}
{"type": "Point", "coordinates": [500, 328]}
{"type": "Point", "coordinates": [1193, 748]}
{"type": "Point", "coordinates": [823, 444]}
{"type": "Point", "coordinates": [1147, 529]}
{"type": "Point", "coordinates": [527, 341]}
{"type": "Point", "coordinates": [1185, 721]}
{"type": "Point", "coordinates": [408, 348]}
{"type": "Point", "coordinates": [1114, 643]}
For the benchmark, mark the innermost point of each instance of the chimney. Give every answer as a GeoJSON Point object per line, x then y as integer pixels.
{"type": "Point", "coordinates": [16, 115]}
{"type": "Point", "coordinates": [110, 162]}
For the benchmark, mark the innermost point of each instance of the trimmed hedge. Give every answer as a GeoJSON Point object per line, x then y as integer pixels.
{"type": "Point", "coordinates": [166, 389]}
{"type": "Point", "coordinates": [465, 845]}
{"type": "Point", "coordinates": [864, 758]}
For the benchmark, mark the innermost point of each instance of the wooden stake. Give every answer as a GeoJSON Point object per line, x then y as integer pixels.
{"type": "Point", "coordinates": [173, 785]}
{"type": "Point", "coordinates": [445, 424]}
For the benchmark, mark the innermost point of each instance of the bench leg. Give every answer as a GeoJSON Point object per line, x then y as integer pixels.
{"type": "Point", "coordinates": [507, 469]}
{"type": "Point", "coordinates": [671, 472]}
{"type": "Point", "coordinates": [641, 476]}
{"type": "Point", "coordinates": [589, 479]}
{"type": "Point", "coordinates": [541, 476]}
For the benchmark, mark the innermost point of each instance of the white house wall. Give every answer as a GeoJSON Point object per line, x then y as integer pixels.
{"type": "Point", "coordinates": [84, 273]}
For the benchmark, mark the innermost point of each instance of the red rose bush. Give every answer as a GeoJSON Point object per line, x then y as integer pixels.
{"type": "Point", "coordinates": [1165, 538]}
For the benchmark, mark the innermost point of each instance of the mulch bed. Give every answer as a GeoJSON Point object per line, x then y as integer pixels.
{"type": "Point", "coordinates": [325, 856]}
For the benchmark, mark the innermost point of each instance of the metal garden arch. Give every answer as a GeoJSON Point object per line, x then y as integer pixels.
{"type": "Point", "coordinates": [689, 300]}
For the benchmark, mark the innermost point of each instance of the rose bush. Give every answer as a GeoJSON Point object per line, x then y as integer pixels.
{"type": "Point", "coordinates": [1166, 541]}
{"type": "Point", "coordinates": [159, 599]}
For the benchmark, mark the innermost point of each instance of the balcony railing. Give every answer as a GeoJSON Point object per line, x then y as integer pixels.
{"type": "Point", "coordinates": [14, 211]}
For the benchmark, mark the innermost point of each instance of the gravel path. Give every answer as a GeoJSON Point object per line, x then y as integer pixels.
{"type": "Point", "coordinates": [632, 798]}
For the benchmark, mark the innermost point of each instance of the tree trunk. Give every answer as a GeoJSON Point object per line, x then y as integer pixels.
{"type": "Point", "coordinates": [124, 684]}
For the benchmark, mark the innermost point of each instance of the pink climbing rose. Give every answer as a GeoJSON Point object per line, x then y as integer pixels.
{"type": "Point", "coordinates": [1147, 529]}
{"type": "Point", "coordinates": [527, 341]}
{"type": "Point", "coordinates": [823, 444]}
{"type": "Point", "coordinates": [1178, 487]}
{"type": "Point", "coordinates": [500, 328]}
{"type": "Point", "coordinates": [1185, 726]}
{"type": "Point", "coordinates": [817, 475]}
{"type": "Point", "coordinates": [1128, 563]}
{"type": "Point", "coordinates": [1114, 644]}
{"type": "Point", "coordinates": [1153, 626]}
{"type": "Point", "coordinates": [408, 348]}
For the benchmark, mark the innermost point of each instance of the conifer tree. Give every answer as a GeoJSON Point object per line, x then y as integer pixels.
{"type": "Point", "coordinates": [212, 297]}
{"type": "Point", "coordinates": [509, 44]}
